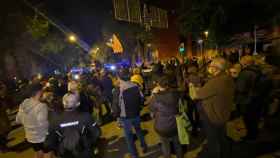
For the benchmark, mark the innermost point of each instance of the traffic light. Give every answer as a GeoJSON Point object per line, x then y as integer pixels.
{"type": "Point", "coordinates": [182, 48]}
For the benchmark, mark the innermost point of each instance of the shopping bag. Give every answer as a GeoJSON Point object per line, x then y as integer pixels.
{"type": "Point", "coordinates": [183, 109]}
{"type": "Point", "coordinates": [182, 130]}
{"type": "Point", "coordinates": [104, 110]}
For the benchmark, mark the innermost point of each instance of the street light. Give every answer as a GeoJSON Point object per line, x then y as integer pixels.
{"type": "Point", "coordinates": [200, 42]}
{"type": "Point", "coordinates": [206, 33]}
{"type": "Point", "coordinates": [72, 38]}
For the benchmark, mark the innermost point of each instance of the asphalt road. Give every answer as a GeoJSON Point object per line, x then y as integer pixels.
{"type": "Point", "coordinates": [114, 145]}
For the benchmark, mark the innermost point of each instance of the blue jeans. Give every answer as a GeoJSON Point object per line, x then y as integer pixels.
{"type": "Point", "coordinates": [128, 125]}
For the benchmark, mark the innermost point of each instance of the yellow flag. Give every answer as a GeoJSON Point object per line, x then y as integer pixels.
{"type": "Point", "coordinates": [116, 45]}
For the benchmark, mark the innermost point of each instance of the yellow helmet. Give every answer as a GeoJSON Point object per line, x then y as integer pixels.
{"type": "Point", "coordinates": [137, 79]}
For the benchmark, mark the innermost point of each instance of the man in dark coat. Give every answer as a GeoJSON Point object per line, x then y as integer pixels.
{"type": "Point", "coordinates": [73, 134]}
{"type": "Point", "coordinates": [249, 95]}
{"type": "Point", "coordinates": [127, 102]}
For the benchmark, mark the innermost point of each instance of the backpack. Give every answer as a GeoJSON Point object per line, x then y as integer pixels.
{"type": "Point", "coordinates": [72, 140]}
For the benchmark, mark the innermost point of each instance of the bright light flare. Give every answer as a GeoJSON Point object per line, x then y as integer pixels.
{"type": "Point", "coordinates": [76, 77]}
{"type": "Point", "coordinates": [113, 67]}
{"type": "Point", "coordinates": [39, 76]}
{"type": "Point", "coordinates": [72, 38]}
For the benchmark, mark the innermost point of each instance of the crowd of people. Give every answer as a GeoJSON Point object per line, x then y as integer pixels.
{"type": "Point", "coordinates": [62, 116]}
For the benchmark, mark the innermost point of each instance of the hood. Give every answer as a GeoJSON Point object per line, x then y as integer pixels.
{"type": "Point", "coordinates": [168, 97]}
{"type": "Point", "coordinates": [28, 105]}
{"type": "Point", "coordinates": [124, 85]}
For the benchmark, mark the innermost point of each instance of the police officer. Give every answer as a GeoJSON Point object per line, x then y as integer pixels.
{"type": "Point", "coordinates": [73, 134]}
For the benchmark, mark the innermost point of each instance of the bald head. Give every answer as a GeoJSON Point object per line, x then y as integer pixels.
{"type": "Point", "coordinates": [217, 66]}
{"type": "Point", "coordinates": [220, 63]}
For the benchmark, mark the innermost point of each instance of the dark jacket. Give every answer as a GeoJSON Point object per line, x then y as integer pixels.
{"type": "Point", "coordinates": [127, 100]}
{"type": "Point", "coordinates": [87, 103]}
{"type": "Point", "coordinates": [217, 98]}
{"type": "Point", "coordinates": [74, 119]}
{"type": "Point", "coordinates": [164, 106]}
{"type": "Point", "coordinates": [107, 87]}
{"type": "Point", "coordinates": [245, 84]}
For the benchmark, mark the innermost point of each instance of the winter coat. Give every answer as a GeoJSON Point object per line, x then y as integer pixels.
{"type": "Point", "coordinates": [107, 87]}
{"type": "Point", "coordinates": [217, 98]}
{"type": "Point", "coordinates": [245, 84]}
{"type": "Point", "coordinates": [164, 106]}
{"type": "Point", "coordinates": [33, 115]}
{"type": "Point", "coordinates": [86, 103]}
{"type": "Point", "coordinates": [74, 121]}
{"type": "Point", "coordinates": [127, 100]}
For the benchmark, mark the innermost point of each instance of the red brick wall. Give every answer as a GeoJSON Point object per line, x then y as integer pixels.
{"type": "Point", "coordinates": [167, 40]}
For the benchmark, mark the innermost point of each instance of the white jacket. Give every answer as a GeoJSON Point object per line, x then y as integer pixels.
{"type": "Point", "coordinates": [33, 115]}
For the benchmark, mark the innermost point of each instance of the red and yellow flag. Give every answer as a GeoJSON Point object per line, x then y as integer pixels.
{"type": "Point", "coordinates": [115, 44]}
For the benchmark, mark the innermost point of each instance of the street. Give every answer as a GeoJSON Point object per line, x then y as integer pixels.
{"type": "Point", "coordinates": [114, 143]}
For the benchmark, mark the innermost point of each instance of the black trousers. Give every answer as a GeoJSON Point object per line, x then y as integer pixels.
{"type": "Point", "coordinates": [252, 115]}
{"type": "Point", "coordinates": [193, 114]}
{"type": "Point", "coordinates": [218, 145]}
{"type": "Point", "coordinates": [251, 120]}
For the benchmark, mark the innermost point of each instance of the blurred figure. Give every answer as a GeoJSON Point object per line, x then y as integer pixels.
{"type": "Point", "coordinates": [234, 71]}
{"type": "Point", "coordinates": [217, 101]}
{"type": "Point", "coordinates": [73, 134]}
{"type": "Point", "coordinates": [33, 115]}
{"type": "Point", "coordinates": [5, 126]}
{"type": "Point", "coordinates": [107, 87]}
{"type": "Point", "coordinates": [127, 106]}
{"type": "Point", "coordinates": [137, 78]}
{"type": "Point", "coordinates": [73, 87]}
{"type": "Point", "coordinates": [86, 104]}
{"type": "Point", "coordinates": [164, 106]}
{"type": "Point", "coordinates": [193, 77]}
{"type": "Point", "coordinates": [251, 91]}
{"type": "Point", "coordinates": [53, 103]}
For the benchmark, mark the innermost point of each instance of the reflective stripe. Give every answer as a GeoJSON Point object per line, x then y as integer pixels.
{"type": "Point", "coordinates": [69, 124]}
{"type": "Point", "coordinates": [94, 124]}
{"type": "Point", "coordinates": [58, 133]}
{"type": "Point", "coordinates": [83, 129]}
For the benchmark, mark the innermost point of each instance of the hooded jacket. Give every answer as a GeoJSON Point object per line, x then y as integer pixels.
{"type": "Point", "coordinates": [164, 106]}
{"type": "Point", "coordinates": [33, 115]}
{"type": "Point", "coordinates": [127, 100]}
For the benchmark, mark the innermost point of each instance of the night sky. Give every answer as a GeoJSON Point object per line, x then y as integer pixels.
{"type": "Point", "coordinates": [84, 18]}
{"type": "Point", "coordinates": [87, 18]}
